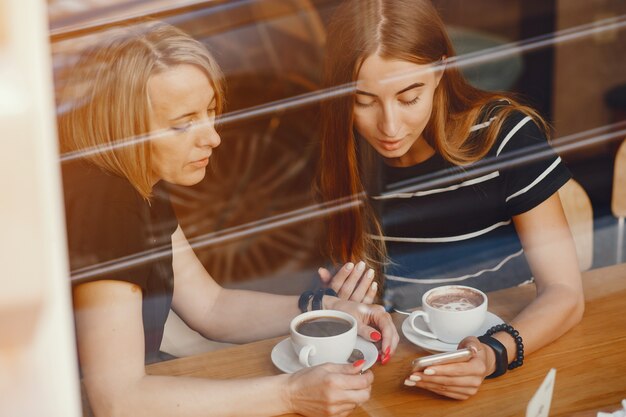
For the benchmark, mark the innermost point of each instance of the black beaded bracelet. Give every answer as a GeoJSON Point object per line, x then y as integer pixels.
{"type": "Point", "coordinates": [303, 301]}
{"type": "Point", "coordinates": [319, 294]}
{"type": "Point", "coordinates": [503, 327]}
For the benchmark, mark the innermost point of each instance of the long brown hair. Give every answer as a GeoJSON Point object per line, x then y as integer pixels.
{"type": "Point", "coordinates": [107, 97]}
{"type": "Point", "coordinates": [409, 30]}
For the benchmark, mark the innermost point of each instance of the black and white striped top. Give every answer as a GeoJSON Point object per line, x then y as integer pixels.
{"type": "Point", "coordinates": [445, 224]}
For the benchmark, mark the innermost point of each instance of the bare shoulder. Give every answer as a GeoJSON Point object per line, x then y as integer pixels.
{"type": "Point", "coordinates": [96, 292]}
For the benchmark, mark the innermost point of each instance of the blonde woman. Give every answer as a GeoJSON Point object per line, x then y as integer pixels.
{"type": "Point", "coordinates": [145, 102]}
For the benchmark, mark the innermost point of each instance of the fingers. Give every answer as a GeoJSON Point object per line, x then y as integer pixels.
{"type": "Point", "coordinates": [460, 381]}
{"type": "Point", "coordinates": [351, 281]}
{"type": "Point", "coordinates": [355, 382]}
{"type": "Point", "coordinates": [329, 389]}
{"type": "Point", "coordinates": [387, 333]}
{"type": "Point", "coordinates": [344, 369]}
{"type": "Point", "coordinates": [475, 367]}
{"type": "Point", "coordinates": [383, 321]}
{"type": "Point", "coordinates": [325, 276]}
{"type": "Point", "coordinates": [342, 410]}
{"type": "Point", "coordinates": [358, 396]}
{"type": "Point", "coordinates": [347, 381]}
{"type": "Point", "coordinates": [369, 333]}
{"type": "Point", "coordinates": [354, 389]}
{"type": "Point", "coordinates": [454, 371]}
{"type": "Point", "coordinates": [372, 291]}
{"type": "Point", "coordinates": [471, 342]}
{"type": "Point", "coordinates": [336, 282]}
{"type": "Point", "coordinates": [451, 391]}
{"type": "Point", "coordinates": [451, 394]}
{"type": "Point", "coordinates": [364, 288]}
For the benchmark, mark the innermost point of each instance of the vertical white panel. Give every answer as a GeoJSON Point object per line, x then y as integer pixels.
{"type": "Point", "coordinates": [38, 372]}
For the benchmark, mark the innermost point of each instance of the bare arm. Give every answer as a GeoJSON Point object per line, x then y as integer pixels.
{"type": "Point", "coordinates": [110, 338]}
{"type": "Point", "coordinates": [243, 316]}
{"type": "Point", "coordinates": [549, 248]}
{"type": "Point", "coordinates": [559, 304]}
{"type": "Point", "coordinates": [111, 348]}
{"type": "Point", "coordinates": [221, 314]}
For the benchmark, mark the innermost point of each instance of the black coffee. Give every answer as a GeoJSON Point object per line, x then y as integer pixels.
{"type": "Point", "coordinates": [323, 327]}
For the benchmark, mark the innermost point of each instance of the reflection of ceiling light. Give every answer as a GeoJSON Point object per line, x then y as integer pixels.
{"type": "Point", "coordinates": [12, 97]}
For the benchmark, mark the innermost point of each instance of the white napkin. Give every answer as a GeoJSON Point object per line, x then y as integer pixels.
{"type": "Point", "coordinates": [618, 413]}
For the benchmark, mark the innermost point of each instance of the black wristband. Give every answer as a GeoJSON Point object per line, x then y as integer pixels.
{"type": "Point", "coordinates": [319, 294]}
{"type": "Point", "coordinates": [303, 301]}
{"type": "Point", "coordinates": [502, 359]}
{"type": "Point", "coordinates": [519, 343]}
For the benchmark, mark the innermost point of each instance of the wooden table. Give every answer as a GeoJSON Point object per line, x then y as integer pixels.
{"type": "Point", "coordinates": [590, 361]}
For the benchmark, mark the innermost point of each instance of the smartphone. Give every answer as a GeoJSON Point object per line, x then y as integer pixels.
{"type": "Point", "coordinates": [460, 355]}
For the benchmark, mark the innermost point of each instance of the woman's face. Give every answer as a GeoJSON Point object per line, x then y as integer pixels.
{"type": "Point", "coordinates": [392, 106]}
{"type": "Point", "coordinates": [183, 106]}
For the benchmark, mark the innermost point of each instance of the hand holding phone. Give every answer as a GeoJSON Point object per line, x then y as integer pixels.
{"type": "Point", "coordinates": [461, 355]}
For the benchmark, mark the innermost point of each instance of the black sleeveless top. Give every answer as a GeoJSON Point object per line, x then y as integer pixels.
{"type": "Point", "coordinates": [114, 234]}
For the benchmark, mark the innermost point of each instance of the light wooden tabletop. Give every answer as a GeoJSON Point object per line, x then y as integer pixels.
{"type": "Point", "coordinates": [590, 361]}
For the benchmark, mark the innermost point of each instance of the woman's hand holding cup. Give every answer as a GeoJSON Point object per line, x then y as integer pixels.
{"type": "Point", "coordinates": [332, 388]}
{"type": "Point", "coordinates": [328, 390]}
{"type": "Point", "coordinates": [373, 324]}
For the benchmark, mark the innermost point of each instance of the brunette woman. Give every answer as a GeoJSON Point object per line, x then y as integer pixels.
{"type": "Point", "coordinates": [453, 185]}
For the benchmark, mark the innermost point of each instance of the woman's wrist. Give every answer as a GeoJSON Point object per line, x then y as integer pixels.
{"type": "Point", "coordinates": [489, 359]}
{"type": "Point", "coordinates": [514, 347]}
{"type": "Point", "coordinates": [328, 302]}
{"type": "Point", "coordinates": [286, 395]}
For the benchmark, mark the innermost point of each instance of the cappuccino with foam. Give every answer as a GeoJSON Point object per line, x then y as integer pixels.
{"type": "Point", "coordinates": [451, 312]}
{"type": "Point", "coordinates": [461, 300]}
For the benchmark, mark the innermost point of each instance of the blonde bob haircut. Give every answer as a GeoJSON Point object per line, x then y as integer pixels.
{"type": "Point", "coordinates": [107, 117]}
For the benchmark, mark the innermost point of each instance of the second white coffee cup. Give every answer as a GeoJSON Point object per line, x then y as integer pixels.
{"type": "Point", "coordinates": [451, 312]}
{"type": "Point", "coordinates": [323, 336]}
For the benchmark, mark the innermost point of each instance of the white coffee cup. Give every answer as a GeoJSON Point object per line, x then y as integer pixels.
{"type": "Point", "coordinates": [451, 312]}
{"type": "Point", "coordinates": [316, 349]}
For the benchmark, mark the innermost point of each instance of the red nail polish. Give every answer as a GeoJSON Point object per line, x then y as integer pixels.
{"type": "Point", "coordinates": [387, 350]}
{"type": "Point", "coordinates": [378, 358]}
{"type": "Point", "coordinates": [375, 336]}
{"type": "Point", "coordinates": [358, 363]}
{"type": "Point", "coordinates": [385, 360]}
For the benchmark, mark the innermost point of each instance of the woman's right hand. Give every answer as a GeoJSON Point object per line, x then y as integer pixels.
{"type": "Point", "coordinates": [354, 283]}
{"type": "Point", "coordinates": [329, 389]}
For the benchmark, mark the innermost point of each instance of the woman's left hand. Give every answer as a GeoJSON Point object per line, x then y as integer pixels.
{"type": "Point", "coordinates": [352, 282]}
{"type": "Point", "coordinates": [374, 324]}
{"type": "Point", "coordinates": [458, 380]}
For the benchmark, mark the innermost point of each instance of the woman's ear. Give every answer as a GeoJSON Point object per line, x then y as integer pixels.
{"type": "Point", "coordinates": [441, 68]}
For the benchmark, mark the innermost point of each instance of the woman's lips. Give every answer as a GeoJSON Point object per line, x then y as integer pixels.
{"type": "Point", "coordinates": [200, 163]}
{"type": "Point", "coordinates": [390, 145]}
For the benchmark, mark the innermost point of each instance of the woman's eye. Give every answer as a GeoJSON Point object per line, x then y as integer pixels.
{"type": "Point", "coordinates": [410, 102]}
{"type": "Point", "coordinates": [182, 128]}
{"type": "Point", "coordinates": [360, 104]}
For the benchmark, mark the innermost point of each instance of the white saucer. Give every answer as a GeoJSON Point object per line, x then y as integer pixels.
{"type": "Point", "coordinates": [286, 360]}
{"type": "Point", "coordinates": [436, 345]}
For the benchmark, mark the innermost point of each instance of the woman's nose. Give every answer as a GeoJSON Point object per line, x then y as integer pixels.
{"type": "Point", "coordinates": [207, 136]}
{"type": "Point", "coordinates": [388, 123]}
